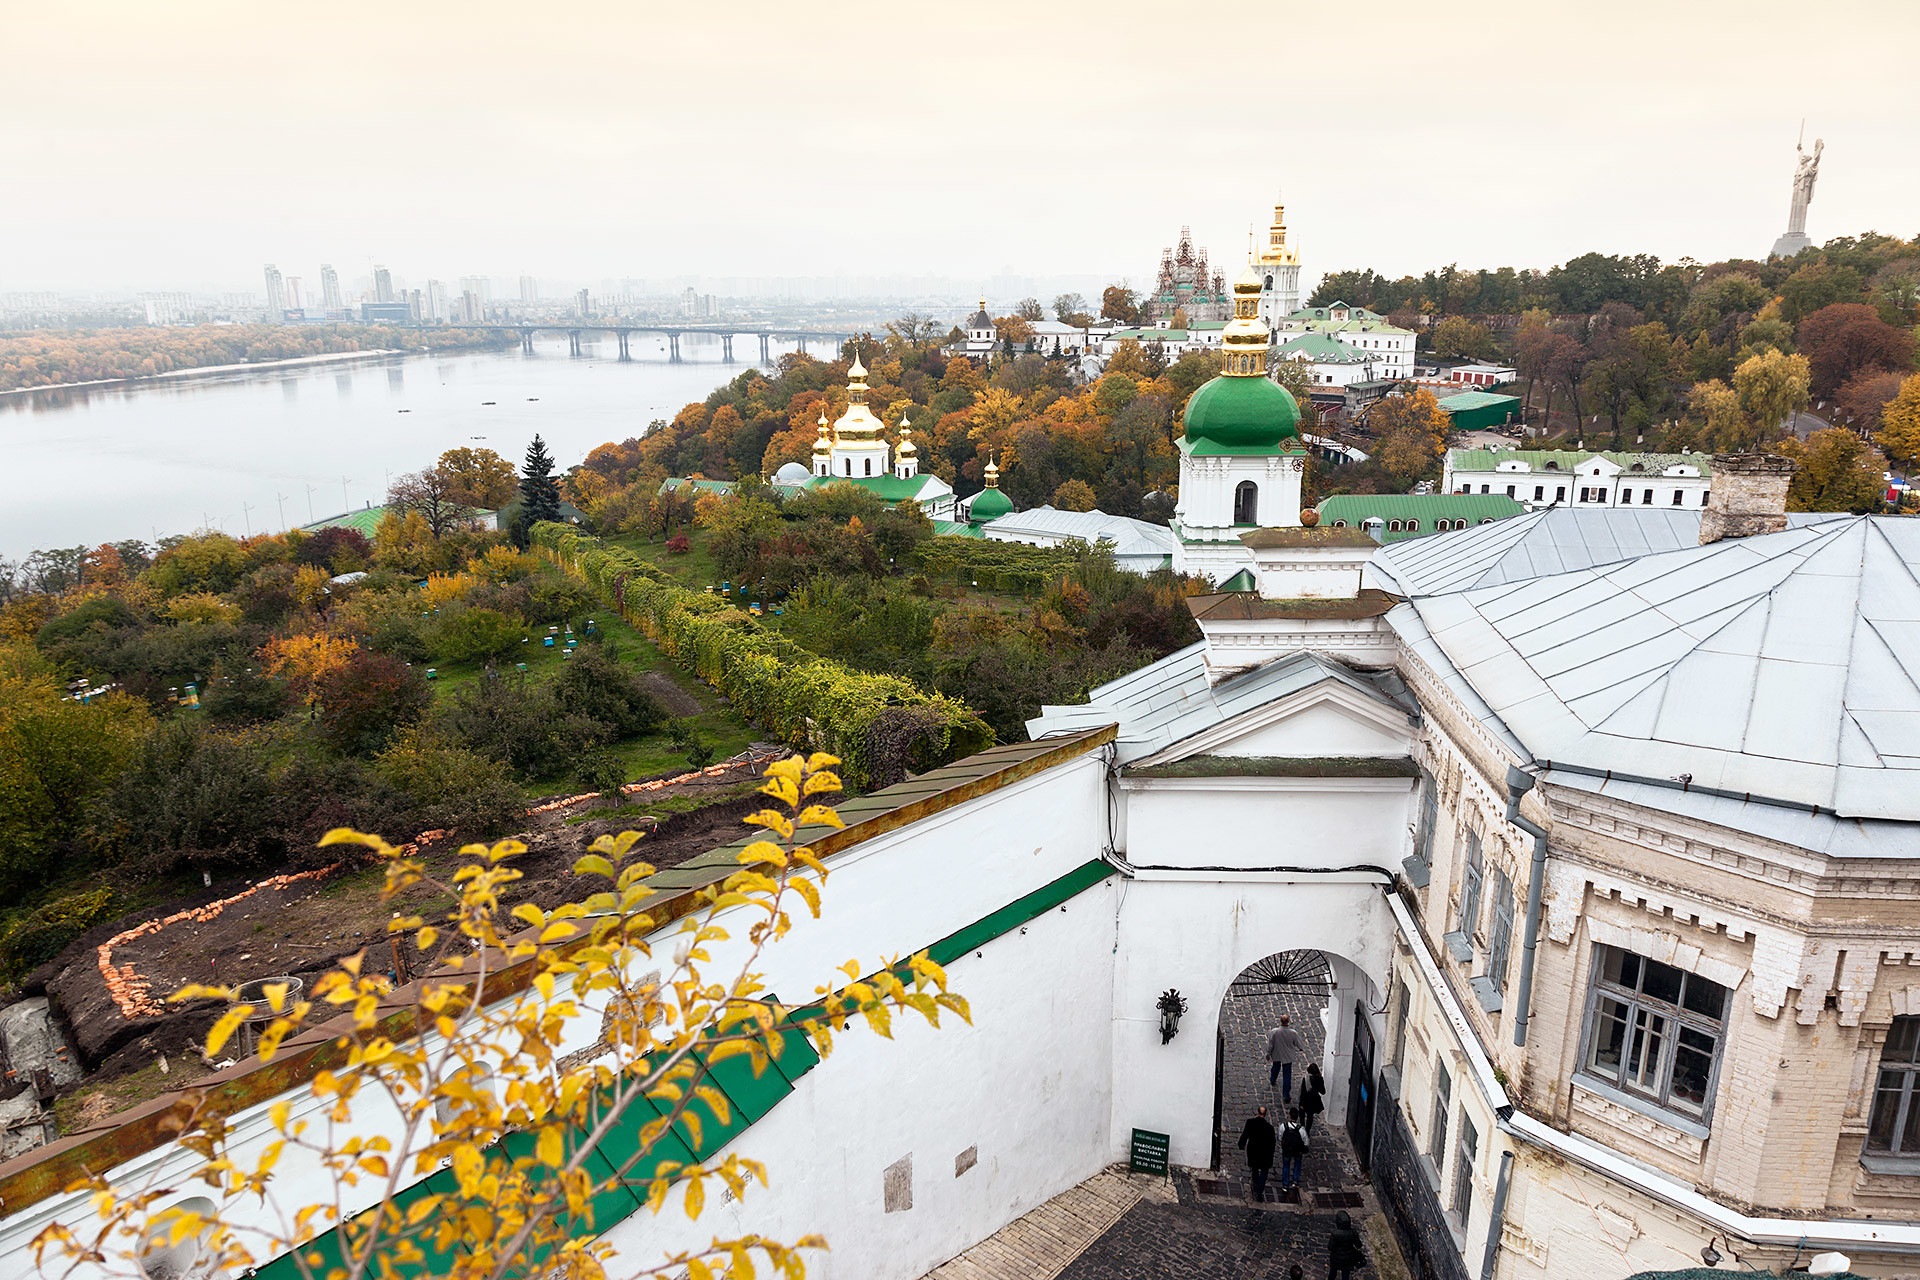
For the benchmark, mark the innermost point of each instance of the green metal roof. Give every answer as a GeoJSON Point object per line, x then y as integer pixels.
{"type": "Point", "coordinates": [1321, 349]}
{"type": "Point", "coordinates": [1241, 581]}
{"type": "Point", "coordinates": [1567, 459]}
{"type": "Point", "coordinates": [955, 529]}
{"type": "Point", "coordinates": [1424, 509]}
{"type": "Point", "coordinates": [1476, 400]}
{"type": "Point", "coordinates": [1150, 335]}
{"type": "Point", "coordinates": [988, 504]}
{"type": "Point", "coordinates": [364, 521]}
{"type": "Point", "coordinates": [1326, 313]}
{"type": "Point", "coordinates": [890, 488]}
{"type": "Point", "coordinates": [721, 487]}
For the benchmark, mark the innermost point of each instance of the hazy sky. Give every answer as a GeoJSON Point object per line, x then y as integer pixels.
{"type": "Point", "coordinates": [181, 145]}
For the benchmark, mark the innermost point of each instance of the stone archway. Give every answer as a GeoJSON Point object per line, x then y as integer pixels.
{"type": "Point", "coordinates": [1321, 993]}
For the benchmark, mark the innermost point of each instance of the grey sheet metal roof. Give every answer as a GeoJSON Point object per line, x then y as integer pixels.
{"type": "Point", "coordinates": [1783, 665]}
{"type": "Point", "coordinates": [1551, 540]}
{"type": "Point", "coordinates": [1130, 537]}
{"type": "Point", "coordinates": [1169, 700]}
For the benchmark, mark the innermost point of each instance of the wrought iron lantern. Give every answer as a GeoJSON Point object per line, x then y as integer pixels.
{"type": "Point", "coordinates": [1171, 1005]}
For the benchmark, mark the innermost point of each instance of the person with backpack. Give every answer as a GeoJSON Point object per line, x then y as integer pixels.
{"type": "Point", "coordinates": [1344, 1253]}
{"type": "Point", "coordinates": [1293, 1145]}
{"type": "Point", "coordinates": [1256, 1139]}
{"type": "Point", "coordinates": [1313, 1096]}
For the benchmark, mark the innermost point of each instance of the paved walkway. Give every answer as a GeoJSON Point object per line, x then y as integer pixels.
{"type": "Point", "coordinates": [1039, 1245]}
{"type": "Point", "coordinates": [1329, 1167]}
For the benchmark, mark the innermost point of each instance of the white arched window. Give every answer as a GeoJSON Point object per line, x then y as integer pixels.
{"type": "Point", "coordinates": [1246, 503]}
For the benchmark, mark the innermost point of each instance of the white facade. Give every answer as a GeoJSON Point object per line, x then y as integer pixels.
{"type": "Point", "coordinates": [1541, 478]}
{"type": "Point", "coordinates": [1138, 546]}
{"type": "Point", "coordinates": [1388, 347]}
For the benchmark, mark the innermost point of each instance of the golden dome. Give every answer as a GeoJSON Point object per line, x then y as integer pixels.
{"type": "Point", "coordinates": [821, 444]}
{"type": "Point", "coordinates": [906, 449]}
{"type": "Point", "coordinates": [1245, 339]}
{"type": "Point", "coordinates": [857, 425]}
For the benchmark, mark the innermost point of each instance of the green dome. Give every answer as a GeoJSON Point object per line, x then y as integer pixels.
{"type": "Point", "coordinates": [1242, 413]}
{"type": "Point", "coordinates": [988, 504]}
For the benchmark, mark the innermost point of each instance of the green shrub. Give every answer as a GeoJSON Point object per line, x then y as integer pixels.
{"type": "Point", "coordinates": [470, 635]}
{"type": "Point", "coordinates": [39, 937]}
{"type": "Point", "coordinates": [451, 786]}
{"type": "Point", "coordinates": [800, 697]}
{"type": "Point", "coordinates": [595, 685]}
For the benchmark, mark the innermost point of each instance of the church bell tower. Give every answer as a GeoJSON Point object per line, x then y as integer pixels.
{"type": "Point", "coordinates": [1278, 264]}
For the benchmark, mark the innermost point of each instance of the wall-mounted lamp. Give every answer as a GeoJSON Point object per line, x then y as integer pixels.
{"type": "Point", "coordinates": [1710, 1255]}
{"type": "Point", "coordinates": [1171, 1005]}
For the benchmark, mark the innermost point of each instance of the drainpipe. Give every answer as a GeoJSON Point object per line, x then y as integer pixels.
{"type": "Point", "coordinates": [1518, 784]}
{"type": "Point", "coordinates": [1498, 1217]}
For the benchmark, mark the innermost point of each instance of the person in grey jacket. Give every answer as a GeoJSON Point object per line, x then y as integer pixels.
{"type": "Point", "coordinates": [1285, 1048]}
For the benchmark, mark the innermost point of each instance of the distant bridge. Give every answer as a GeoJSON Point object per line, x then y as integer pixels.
{"type": "Point", "coordinates": [624, 331]}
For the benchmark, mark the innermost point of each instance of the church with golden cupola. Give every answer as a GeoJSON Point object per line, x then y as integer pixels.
{"type": "Point", "coordinates": [855, 450]}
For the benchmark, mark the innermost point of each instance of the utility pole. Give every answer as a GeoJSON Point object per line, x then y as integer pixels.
{"type": "Point", "coordinates": [343, 495]}
{"type": "Point", "coordinates": [246, 514]}
{"type": "Point", "coordinates": [281, 498]}
{"type": "Point", "coordinates": [311, 518]}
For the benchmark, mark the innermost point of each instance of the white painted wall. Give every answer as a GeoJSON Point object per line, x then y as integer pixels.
{"type": "Point", "coordinates": [1197, 935]}
{"type": "Point", "coordinates": [1030, 1081]}
{"type": "Point", "coordinates": [1266, 822]}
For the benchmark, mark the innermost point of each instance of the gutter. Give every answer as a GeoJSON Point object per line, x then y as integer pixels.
{"type": "Point", "coordinates": [1522, 1129]}
{"type": "Point", "coordinates": [1518, 784]}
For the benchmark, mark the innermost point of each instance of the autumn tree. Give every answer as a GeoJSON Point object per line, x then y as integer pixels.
{"type": "Point", "coordinates": [1772, 386]}
{"type": "Point", "coordinates": [430, 492]}
{"type": "Point", "coordinates": [1847, 339]}
{"type": "Point", "coordinates": [1030, 309]}
{"type": "Point", "coordinates": [1118, 303]}
{"type": "Point", "coordinates": [479, 478]}
{"type": "Point", "coordinates": [1412, 433]}
{"type": "Point", "coordinates": [530, 1136]}
{"type": "Point", "coordinates": [1071, 308]}
{"type": "Point", "coordinates": [1459, 337]}
{"type": "Point", "coordinates": [1835, 471]}
{"type": "Point", "coordinates": [1899, 431]}
{"type": "Point", "coordinates": [1865, 395]}
{"type": "Point", "coordinates": [1074, 495]}
{"type": "Point", "coordinates": [914, 329]}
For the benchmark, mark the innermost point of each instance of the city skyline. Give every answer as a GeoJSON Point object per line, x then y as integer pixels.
{"type": "Point", "coordinates": [1505, 137]}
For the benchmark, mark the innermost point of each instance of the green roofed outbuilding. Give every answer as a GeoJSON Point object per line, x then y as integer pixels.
{"type": "Point", "coordinates": [1475, 410]}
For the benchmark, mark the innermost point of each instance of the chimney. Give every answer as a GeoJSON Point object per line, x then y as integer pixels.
{"type": "Point", "coordinates": [1749, 496]}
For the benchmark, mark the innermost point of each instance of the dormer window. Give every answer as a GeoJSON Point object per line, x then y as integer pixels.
{"type": "Point", "coordinates": [1553, 466]}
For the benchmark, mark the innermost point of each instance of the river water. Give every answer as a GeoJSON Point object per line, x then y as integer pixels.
{"type": "Point", "coordinates": [264, 449]}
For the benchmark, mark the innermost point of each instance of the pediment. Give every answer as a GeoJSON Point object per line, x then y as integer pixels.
{"type": "Point", "coordinates": [1330, 717]}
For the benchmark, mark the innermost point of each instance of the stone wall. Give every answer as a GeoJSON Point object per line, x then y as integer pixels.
{"type": "Point", "coordinates": [1749, 496]}
{"type": "Point", "coordinates": [1407, 1195]}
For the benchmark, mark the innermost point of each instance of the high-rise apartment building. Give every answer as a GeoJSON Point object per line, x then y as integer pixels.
{"type": "Point", "coordinates": [481, 287]}
{"type": "Point", "coordinates": [294, 301]}
{"type": "Point", "coordinates": [529, 289]}
{"type": "Point", "coordinates": [382, 285]}
{"type": "Point", "coordinates": [329, 288]}
{"type": "Point", "coordinates": [276, 293]}
{"type": "Point", "coordinates": [582, 304]}
{"type": "Point", "coordinates": [416, 304]}
{"type": "Point", "coordinates": [439, 306]}
{"type": "Point", "coordinates": [472, 308]}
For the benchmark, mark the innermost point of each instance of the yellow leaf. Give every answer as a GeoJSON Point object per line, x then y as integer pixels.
{"type": "Point", "coordinates": [696, 1198]}
{"type": "Point", "coordinates": [820, 815]}
{"type": "Point", "coordinates": [467, 1167]}
{"type": "Point", "coordinates": [552, 1147]}
{"type": "Point", "coordinates": [531, 914]}
{"type": "Point", "coordinates": [426, 937]}
{"type": "Point", "coordinates": [229, 1023]}
{"type": "Point", "coordinates": [593, 865]}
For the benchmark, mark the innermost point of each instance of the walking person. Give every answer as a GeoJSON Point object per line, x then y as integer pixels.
{"type": "Point", "coordinates": [1257, 1139]}
{"type": "Point", "coordinates": [1313, 1096]}
{"type": "Point", "coordinates": [1343, 1249]}
{"type": "Point", "coordinates": [1293, 1145]}
{"type": "Point", "coordinates": [1284, 1049]}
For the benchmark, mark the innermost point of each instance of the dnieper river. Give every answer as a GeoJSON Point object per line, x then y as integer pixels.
{"type": "Point", "coordinates": [236, 451]}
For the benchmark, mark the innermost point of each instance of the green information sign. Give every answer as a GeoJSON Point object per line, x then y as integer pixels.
{"type": "Point", "coordinates": [1150, 1152]}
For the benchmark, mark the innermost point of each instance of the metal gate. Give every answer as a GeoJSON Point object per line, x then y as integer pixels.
{"type": "Point", "coordinates": [1360, 1089]}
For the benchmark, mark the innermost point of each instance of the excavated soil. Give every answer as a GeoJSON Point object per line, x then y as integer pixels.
{"type": "Point", "coordinates": [303, 928]}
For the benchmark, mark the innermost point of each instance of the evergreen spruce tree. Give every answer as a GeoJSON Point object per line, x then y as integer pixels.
{"type": "Point", "coordinates": [539, 491]}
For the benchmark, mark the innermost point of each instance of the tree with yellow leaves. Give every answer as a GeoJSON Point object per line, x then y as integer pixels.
{"type": "Point", "coordinates": [1899, 431]}
{"type": "Point", "coordinates": [482, 1148]}
{"type": "Point", "coordinates": [304, 659]}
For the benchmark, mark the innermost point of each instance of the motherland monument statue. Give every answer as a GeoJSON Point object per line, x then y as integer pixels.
{"type": "Point", "coordinates": [1806, 171]}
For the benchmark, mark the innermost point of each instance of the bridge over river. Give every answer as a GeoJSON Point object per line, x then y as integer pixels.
{"type": "Point", "coordinates": [673, 333]}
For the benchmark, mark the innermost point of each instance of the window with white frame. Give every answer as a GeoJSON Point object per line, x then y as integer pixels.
{"type": "Point", "coordinates": [1442, 1107]}
{"type": "Point", "coordinates": [1654, 1031]}
{"type": "Point", "coordinates": [1895, 1126]}
{"type": "Point", "coordinates": [1500, 931]}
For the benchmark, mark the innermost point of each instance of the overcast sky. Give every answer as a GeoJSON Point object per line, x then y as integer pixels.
{"type": "Point", "coordinates": [181, 145]}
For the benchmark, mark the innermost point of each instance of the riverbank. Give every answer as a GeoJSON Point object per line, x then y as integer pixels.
{"type": "Point", "coordinates": [209, 370]}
